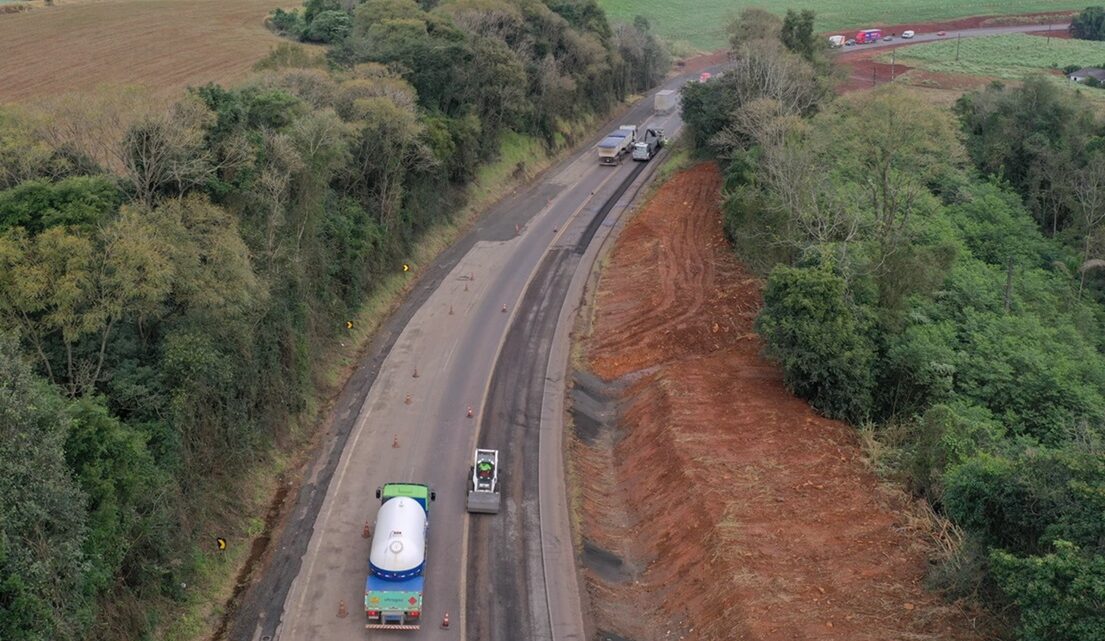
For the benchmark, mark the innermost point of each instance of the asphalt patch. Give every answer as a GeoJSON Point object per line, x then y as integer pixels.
{"type": "Point", "coordinates": [594, 406]}
{"type": "Point", "coordinates": [605, 563]}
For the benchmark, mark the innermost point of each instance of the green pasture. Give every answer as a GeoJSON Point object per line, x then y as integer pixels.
{"type": "Point", "coordinates": [1010, 57]}
{"type": "Point", "coordinates": [701, 23]}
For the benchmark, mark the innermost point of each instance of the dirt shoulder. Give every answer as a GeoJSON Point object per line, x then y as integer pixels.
{"type": "Point", "coordinates": [714, 504]}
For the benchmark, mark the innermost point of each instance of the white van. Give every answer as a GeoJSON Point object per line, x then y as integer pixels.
{"type": "Point", "coordinates": [906, 35]}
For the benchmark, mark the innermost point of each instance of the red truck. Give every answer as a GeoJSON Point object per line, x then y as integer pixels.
{"type": "Point", "coordinates": [868, 36]}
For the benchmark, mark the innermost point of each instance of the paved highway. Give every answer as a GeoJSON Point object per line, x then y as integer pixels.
{"type": "Point", "coordinates": [951, 35]}
{"type": "Point", "coordinates": [479, 330]}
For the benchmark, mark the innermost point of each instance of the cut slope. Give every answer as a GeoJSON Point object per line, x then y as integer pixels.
{"type": "Point", "coordinates": [165, 45]}
{"type": "Point", "coordinates": [731, 510]}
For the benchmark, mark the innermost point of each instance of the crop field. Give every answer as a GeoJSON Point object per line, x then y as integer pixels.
{"type": "Point", "coordinates": [164, 45]}
{"type": "Point", "coordinates": [1010, 56]}
{"type": "Point", "coordinates": [701, 23]}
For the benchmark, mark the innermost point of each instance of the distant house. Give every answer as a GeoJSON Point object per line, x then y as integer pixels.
{"type": "Point", "coordinates": [1082, 75]}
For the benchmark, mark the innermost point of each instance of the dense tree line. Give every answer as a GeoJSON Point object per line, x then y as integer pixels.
{"type": "Point", "coordinates": [169, 276]}
{"type": "Point", "coordinates": [945, 293]}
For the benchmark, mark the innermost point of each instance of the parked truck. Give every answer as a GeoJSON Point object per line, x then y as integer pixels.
{"type": "Point", "coordinates": [397, 560]}
{"type": "Point", "coordinates": [649, 144]}
{"type": "Point", "coordinates": [664, 102]}
{"type": "Point", "coordinates": [483, 483]}
{"type": "Point", "coordinates": [617, 144]}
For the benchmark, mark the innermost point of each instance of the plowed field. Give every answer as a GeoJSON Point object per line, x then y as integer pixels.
{"type": "Point", "coordinates": [165, 45]}
{"type": "Point", "coordinates": [716, 505]}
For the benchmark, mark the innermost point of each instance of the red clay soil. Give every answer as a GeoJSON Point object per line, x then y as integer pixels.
{"type": "Point", "coordinates": [739, 513]}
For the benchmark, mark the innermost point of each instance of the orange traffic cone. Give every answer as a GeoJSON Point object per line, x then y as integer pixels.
{"type": "Point", "coordinates": [504, 309]}
{"type": "Point", "coordinates": [450, 310]}
{"type": "Point", "coordinates": [395, 441]}
{"type": "Point", "coordinates": [415, 375]}
{"type": "Point", "coordinates": [445, 621]}
{"type": "Point", "coordinates": [466, 287]}
{"type": "Point", "coordinates": [407, 400]}
{"type": "Point", "coordinates": [469, 411]}
{"type": "Point", "coordinates": [342, 610]}
{"type": "Point", "coordinates": [367, 531]}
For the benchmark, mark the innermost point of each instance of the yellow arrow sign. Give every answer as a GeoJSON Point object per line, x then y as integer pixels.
{"type": "Point", "coordinates": [406, 267]}
{"type": "Point", "coordinates": [221, 543]}
{"type": "Point", "coordinates": [349, 324]}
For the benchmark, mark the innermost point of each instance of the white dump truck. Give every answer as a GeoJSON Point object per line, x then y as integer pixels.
{"type": "Point", "coordinates": [665, 101]}
{"type": "Point", "coordinates": [617, 144]}
{"type": "Point", "coordinates": [483, 483]}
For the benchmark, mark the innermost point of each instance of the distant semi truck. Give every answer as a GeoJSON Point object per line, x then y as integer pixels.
{"type": "Point", "coordinates": [483, 483]}
{"type": "Point", "coordinates": [397, 561]}
{"type": "Point", "coordinates": [648, 145]}
{"type": "Point", "coordinates": [665, 101]}
{"type": "Point", "coordinates": [617, 144]}
{"type": "Point", "coordinates": [868, 36]}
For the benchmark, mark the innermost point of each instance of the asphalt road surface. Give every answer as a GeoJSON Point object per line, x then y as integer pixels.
{"type": "Point", "coordinates": [952, 35]}
{"type": "Point", "coordinates": [479, 329]}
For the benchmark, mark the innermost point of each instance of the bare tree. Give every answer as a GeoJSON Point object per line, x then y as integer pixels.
{"type": "Point", "coordinates": [1087, 196]}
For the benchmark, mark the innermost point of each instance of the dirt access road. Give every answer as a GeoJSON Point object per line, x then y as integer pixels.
{"type": "Point", "coordinates": [715, 505]}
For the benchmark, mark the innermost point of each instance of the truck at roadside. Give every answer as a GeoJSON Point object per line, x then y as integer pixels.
{"type": "Point", "coordinates": [397, 560]}
{"type": "Point", "coordinates": [664, 102]}
{"type": "Point", "coordinates": [616, 144]}
{"type": "Point", "coordinates": [649, 145]}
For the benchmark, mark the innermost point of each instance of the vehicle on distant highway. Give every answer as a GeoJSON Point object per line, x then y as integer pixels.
{"type": "Point", "coordinates": [888, 38]}
{"type": "Point", "coordinates": [941, 33]}
{"type": "Point", "coordinates": [704, 76]}
{"type": "Point", "coordinates": [649, 144]}
{"type": "Point", "coordinates": [851, 42]}
{"type": "Point", "coordinates": [665, 101]}
{"type": "Point", "coordinates": [836, 41]}
{"type": "Point", "coordinates": [616, 144]}
{"type": "Point", "coordinates": [393, 589]}
{"type": "Point", "coordinates": [868, 36]}
{"type": "Point", "coordinates": [483, 483]}
{"type": "Point", "coordinates": [908, 34]}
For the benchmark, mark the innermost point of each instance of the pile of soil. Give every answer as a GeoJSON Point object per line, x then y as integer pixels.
{"type": "Point", "coordinates": [713, 504]}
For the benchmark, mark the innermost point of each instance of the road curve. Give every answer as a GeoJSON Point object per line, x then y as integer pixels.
{"type": "Point", "coordinates": [478, 326]}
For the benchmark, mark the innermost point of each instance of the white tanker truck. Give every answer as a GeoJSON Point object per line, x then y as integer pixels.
{"type": "Point", "coordinates": [393, 590]}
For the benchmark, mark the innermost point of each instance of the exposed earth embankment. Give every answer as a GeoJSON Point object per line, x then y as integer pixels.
{"type": "Point", "coordinates": [713, 504]}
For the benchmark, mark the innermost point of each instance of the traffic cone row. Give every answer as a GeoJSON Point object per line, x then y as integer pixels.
{"type": "Point", "coordinates": [342, 610]}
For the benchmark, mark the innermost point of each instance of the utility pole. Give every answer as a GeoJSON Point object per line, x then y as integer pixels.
{"type": "Point", "coordinates": [1049, 35]}
{"type": "Point", "coordinates": [958, 37]}
{"type": "Point", "coordinates": [892, 74]}
{"type": "Point", "coordinates": [874, 71]}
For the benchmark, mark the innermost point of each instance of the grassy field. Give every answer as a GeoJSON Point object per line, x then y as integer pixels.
{"type": "Point", "coordinates": [1009, 57]}
{"type": "Point", "coordinates": [702, 22]}
{"type": "Point", "coordinates": [165, 45]}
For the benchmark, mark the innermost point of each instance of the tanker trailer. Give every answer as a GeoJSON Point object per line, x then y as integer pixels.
{"type": "Point", "coordinates": [393, 590]}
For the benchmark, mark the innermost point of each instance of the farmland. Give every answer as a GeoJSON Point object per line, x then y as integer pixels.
{"type": "Point", "coordinates": [1009, 57]}
{"type": "Point", "coordinates": [704, 27]}
{"type": "Point", "coordinates": [164, 45]}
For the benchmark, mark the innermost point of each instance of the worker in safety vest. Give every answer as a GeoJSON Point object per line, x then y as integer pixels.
{"type": "Point", "coordinates": [484, 469]}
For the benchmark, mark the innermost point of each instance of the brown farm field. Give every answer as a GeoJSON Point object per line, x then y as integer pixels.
{"type": "Point", "coordinates": [162, 45]}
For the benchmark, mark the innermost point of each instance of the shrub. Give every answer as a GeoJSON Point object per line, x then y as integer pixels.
{"type": "Point", "coordinates": [813, 332]}
{"type": "Point", "coordinates": [1089, 25]}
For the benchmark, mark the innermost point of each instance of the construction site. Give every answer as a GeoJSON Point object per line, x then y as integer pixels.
{"type": "Point", "coordinates": [712, 503]}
